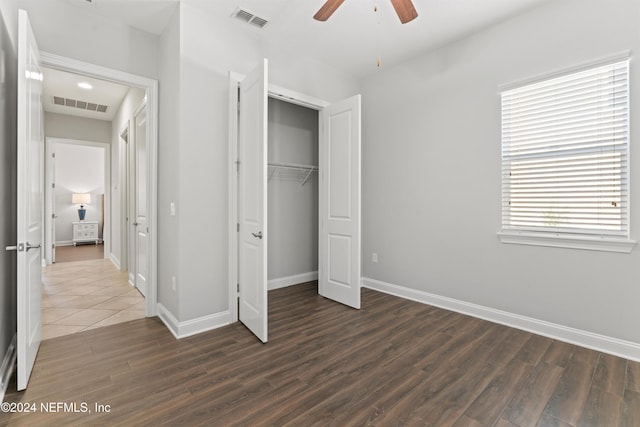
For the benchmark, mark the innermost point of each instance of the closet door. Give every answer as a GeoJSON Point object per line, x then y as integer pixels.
{"type": "Point", "coordinates": [339, 240]}
{"type": "Point", "coordinates": [252, 202]}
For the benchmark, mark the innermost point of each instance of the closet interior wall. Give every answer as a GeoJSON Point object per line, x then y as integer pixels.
{"type": "Point", "coordinates": [292, 193]}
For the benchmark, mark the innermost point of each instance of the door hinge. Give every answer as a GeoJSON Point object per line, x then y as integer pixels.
{"type": "Point", "coordinates": [238, 288]}
{"type": "Point", "coordinates": [237, 162]}
{"type": "Point", "coordinates": [238, 227]}
{"type": "Point", "coordinates": [53, 185]}
{"type": "Point", "coordinates": [53, 155]}
{"type": "Point", "coordinates": [53, 216]}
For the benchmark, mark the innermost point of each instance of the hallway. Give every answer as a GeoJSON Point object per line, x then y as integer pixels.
{"type": "Point", "coordinates": [82, 295]}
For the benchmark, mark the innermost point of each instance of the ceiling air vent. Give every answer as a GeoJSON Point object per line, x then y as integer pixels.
{"type": "Point", "coordinates": [83, 105]}
{"type": "Point", "coordinates": [249, 18]}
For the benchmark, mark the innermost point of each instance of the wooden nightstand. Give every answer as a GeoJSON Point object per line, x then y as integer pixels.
{"type": "Point", "coordinates": [85, 231]}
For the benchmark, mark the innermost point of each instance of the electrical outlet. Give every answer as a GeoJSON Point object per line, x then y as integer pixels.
{"type": "Point", "coordinates": [173, 283]}
{"type": "Point", "coordinates": [374, 257]}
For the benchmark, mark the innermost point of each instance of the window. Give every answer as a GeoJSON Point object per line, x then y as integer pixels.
{"type": "Point", "coordinates": [565, 144]}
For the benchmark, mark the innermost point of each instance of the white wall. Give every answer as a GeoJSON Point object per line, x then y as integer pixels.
{"type": "Point", "coordinates": [80, 128]}
{"type": "Point", "coordinates": [431, 165]}
{"type": "Point", "coordinates": [292, 208]}
{"type": "Point", "coordinates": [78, 169]}
{"type": "Point", "coordinates": [8, 152]}
{"type": "Point", "coordinates": [131, 102]}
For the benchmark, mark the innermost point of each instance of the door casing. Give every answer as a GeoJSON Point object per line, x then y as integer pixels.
{"type": "Point", "coordinates": [150, 86]}
{"type": "Point", "coordinates": [277, 92]}
{"type": "Point", "coordinates": [50, 192]}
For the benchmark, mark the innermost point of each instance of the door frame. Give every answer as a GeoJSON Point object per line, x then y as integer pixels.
{"type": "Point", "coordinates": [277, 92]}
{"type": "Point", "coordinates": [150, 86]}
{"type": "Point", "coordinates": [49, 192]}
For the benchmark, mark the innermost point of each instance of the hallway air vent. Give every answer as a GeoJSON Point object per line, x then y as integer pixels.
{"type": "Point", "coordinates": [83, 105]}
{"type": "Point", "coordinates": [249, 18]}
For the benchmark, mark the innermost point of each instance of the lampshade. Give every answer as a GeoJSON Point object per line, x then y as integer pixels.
{"type": "Point", "coordinates": [80, 198]}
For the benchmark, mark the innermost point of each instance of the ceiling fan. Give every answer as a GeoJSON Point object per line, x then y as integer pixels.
{"type": "Point", "coordinates": [404, 8]}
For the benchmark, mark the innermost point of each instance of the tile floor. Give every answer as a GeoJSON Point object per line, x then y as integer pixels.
{"type": "Point", "coordinates": [82, 295]}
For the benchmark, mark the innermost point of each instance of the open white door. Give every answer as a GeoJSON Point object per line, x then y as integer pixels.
{"type": "Point", "coordinates": [140, 225]}
{"type": "Point", "coordinates": [339, 228]}
{"type": "Point", "coordinates": [252, 202]}
{"type": "Point", "coordinates": [30, 209]}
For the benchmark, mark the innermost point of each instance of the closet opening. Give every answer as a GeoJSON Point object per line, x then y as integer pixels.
{"type": "Point", "coordinates": [280, 156]}
{"type": "Point", "coordinates": [292, 194]}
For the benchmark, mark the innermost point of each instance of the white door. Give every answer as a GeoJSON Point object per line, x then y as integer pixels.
{"type": "Point", "coordinates": [140, 225]}
{"type": "Point", "coordinates": [30, 209]}
{"type": "Point", "coordinates": [252, 201]}
{"type": "Point", "coordinates": [339, 228]}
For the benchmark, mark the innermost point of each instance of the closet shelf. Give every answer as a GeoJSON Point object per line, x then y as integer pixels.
{"type": "Point", "coordinates": [306, 169]}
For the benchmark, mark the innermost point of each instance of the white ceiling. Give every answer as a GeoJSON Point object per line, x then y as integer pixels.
{"type": "Point", "coordinates": [63, 84]}
{"type": "Point", "coordinates": [351, 40]}
{"type": "Point", "coordinates": [355, 35]}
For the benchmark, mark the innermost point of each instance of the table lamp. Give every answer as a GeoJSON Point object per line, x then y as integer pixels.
{"type": "Point", "coordinates": [81, 199]}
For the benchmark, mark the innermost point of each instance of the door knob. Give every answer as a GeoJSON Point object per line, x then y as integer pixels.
{"type": "Point", "coordinates": [30, 246]}
{"type": "Point", "coordinates": [135, 224]}
{"type": "Point", "coordinates": [21, 247]}
{"type": "Point", "coordinates": [258, 234]}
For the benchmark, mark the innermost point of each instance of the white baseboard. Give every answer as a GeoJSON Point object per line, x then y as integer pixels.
{"type": "Point", "coordinates": [194, 326]}
{"type": "Point", "coordinates": [115, 261]}
{"type": "Point", "coordinates": [626, 349]}
{"type": "Point", "coordinates": [64, 243]}
{"type": "Point", "coordinates": [6, 368]}
{"type": "Point", "coordinates": [283, 282]}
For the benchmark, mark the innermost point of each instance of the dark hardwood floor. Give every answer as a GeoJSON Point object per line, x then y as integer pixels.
{"type": "Point", "coordinates": [393, 363]}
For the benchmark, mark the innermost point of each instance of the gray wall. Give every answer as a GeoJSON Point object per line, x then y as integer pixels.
{"type": "Point", "coordinates": [431, 164]}
{"type": "Point", "coordinates": [8, 98]}
{"type": "Point", "coordinates": [292, 209]}
{"type": "Point", "coordinates": [80, 128]}
{"type": "Point", "coordinates": [74, 31]}
{"type": "Point", "coordinates": [168, 160]}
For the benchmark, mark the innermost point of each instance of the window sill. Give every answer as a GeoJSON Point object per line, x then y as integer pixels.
{"type": "Point", "coordinates": [606, 244]}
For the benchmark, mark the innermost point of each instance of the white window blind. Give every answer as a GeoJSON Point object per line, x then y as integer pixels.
{"type": "Point", "coordinates": [565, 144]}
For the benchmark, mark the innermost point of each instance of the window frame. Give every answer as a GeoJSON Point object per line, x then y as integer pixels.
{"type": "Point", "coordinates": [562, 239]}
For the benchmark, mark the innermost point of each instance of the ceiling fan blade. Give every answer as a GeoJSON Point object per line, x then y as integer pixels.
{"type": "Point", "coordinates": [327, 10]}
{"type": "Point", "coordinates": [405, 10]}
